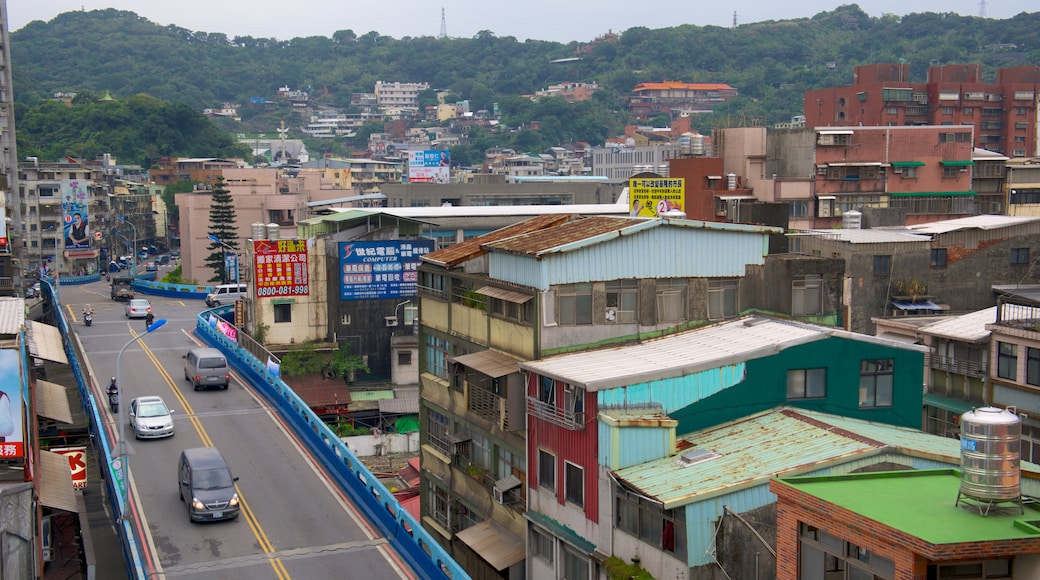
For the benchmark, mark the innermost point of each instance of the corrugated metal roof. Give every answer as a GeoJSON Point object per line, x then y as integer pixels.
{"type": "Point", "coordinates": [677, 355]}
{"type": "Point", "coordinates": [981, 222]}
{"type": "Point", "coordinates": [469, 249]}
{"type": "Point", "coordinates": [12, 315]}
{"type": "Point", "coordinates": [869, 236]}
{"type": "Point", "coordinates": [781, 442]}
{"type": "Point", "coordinates": [405, 402]}
{"type": "Point", "coordinates": [969, 327]}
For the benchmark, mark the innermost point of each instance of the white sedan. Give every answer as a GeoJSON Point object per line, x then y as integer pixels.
{"type": "Point", "coordinates": [150, 418]}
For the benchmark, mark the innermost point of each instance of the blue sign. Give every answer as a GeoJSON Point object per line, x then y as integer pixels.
{"type": "Point", "coordinates": [231, 267]}
{"type": "Point", "coordinates": [969, 445]}
{"type": "Point", "coordinates": [375, 270]}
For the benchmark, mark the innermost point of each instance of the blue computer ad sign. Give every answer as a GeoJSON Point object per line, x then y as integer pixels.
{"type": "Point", "coordinates": [374, 270]}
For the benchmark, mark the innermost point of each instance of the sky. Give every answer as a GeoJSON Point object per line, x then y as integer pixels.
{"type": "Point", "coordinates": [576, 20]}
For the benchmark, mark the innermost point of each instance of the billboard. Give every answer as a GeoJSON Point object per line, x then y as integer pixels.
{"type": "Point", "coordinates": [653, 196]}
{"type": "Point", "coordinates": [77, 457]}
{"type": "Point", "coordinates": [74, 213]}
{"type": "Point", "coordinates": [11, 433]}
{"type": "Point", "coordinates": [429, 166]}
{"type": "Point", "coordinates": [280, 268]}
{"type": "Point", "coordinates": [387, 269]}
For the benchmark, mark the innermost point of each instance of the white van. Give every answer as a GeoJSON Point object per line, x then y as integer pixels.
{"type": "Point", "coordinates": [226, 294]}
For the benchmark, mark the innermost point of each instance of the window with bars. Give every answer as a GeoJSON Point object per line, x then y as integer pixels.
{"type": "Point", "coordinates": [671, 300]}
{"type": "Point", "coordinates": [646, 519]}
{"type": "Point", "coordinates": [876, 383]}
{"type": "Point", "coordinates": [546, 470]}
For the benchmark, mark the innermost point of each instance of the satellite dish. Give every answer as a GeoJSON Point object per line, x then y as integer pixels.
{"type": "Point", "coordinates": [611, 315]}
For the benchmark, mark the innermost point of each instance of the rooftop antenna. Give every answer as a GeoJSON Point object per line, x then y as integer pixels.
{"type": "Point", "coordinates": [982, 8]}
{"type": "Point", "coordinates": [444, 24]}
{"type": "Point", "coordinates": [735, 18]}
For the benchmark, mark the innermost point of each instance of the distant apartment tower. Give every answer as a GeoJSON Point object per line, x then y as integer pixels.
{"type": "Point", "coordinates": [399, 95]}
{"type": "Point", "coordinates": [1003, 113]}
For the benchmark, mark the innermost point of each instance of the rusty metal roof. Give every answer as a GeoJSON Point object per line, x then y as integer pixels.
{"type": "Point", "coordinates": [781, 442]}
{"type": "Point", "coordinates": [570, 232]}
{"type": "Point", "coordinates": [454, 255]}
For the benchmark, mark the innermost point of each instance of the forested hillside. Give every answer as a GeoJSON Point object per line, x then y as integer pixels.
{"type": "Point", "coordinates": [770, 63]}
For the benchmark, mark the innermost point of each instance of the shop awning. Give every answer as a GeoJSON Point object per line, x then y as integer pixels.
{"type": "Point", "coordinates": [560, 531]}
{"type": "Point", "coordinates": [958, 163]}
{"type": "Point", "coordinates": [855, 164]}
{"type": "Point", "coordinates": [500, 547]}
{"type": "Point", "coordinates": [835, 132]}
{"type": "Point", "coordinates": [492, 363]}
{"type": "Point", "coordinates": [947, 403]}
{"type": "Point", "coordinates": [907, 163]}
{"type": "Point", "coordinates": [503, 294]}
{"type": "Point", "coordinates": [45, 342]}
{"type": "Point", "coordinates": [52, 401]}
{"type": "Point", "coordinates": [56, 489]}
{"type": "Point", "coordinates": [735, 197]}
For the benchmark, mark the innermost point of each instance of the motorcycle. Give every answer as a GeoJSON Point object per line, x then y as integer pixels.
{"type": "Point", "coordinates": [88, 317]}
{"type": "Point", "coordinates": [113, 401]}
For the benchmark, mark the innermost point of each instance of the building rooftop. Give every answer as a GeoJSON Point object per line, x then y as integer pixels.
{"type": "Point", "coordinates": [920, 503]}
{"type": "Point", "coordinates": [980, 222]}
{"type": "Point", "coordinates": [690, 352]}
{"type": "Point", "coordinates": [868, 236]}
{"type": "Point", "coordinates": [969, 327]}
{"type": "Point", "coordinates": [786, 442]}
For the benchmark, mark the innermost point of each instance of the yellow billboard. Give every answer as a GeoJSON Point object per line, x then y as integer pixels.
{"type": "Point", "coordinates": [655, 196]}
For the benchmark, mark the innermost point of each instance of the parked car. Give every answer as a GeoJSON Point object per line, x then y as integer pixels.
{"type": "Point", "coordinates": [150, 418]}
{"type": "Point", "coordinates": [138, 308]}
{"type": "Point", "coordinates": [175, 253]}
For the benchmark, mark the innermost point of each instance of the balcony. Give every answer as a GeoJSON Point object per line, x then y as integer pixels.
{"type": "Point", "coordinates": [957, 366]}
{"type": "Point", "coordinates": [574, 421]}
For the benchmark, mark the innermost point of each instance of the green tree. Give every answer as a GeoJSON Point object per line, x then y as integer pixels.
{"type": "Point", "coordinates": [222, 227]}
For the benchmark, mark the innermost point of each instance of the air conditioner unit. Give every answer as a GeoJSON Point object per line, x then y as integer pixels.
{"type": "Point", "coordinates": [825, 140]}
{"type": "Point", "coordinates": [391, 320]}
{"type": "Point", "coordinates": [502, 497]}
{"type": "Point", "coordinates": [503, 489]}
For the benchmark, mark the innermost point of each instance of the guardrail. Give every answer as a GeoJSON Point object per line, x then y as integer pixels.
{"type": "Point", "coordinates": [422, 552]}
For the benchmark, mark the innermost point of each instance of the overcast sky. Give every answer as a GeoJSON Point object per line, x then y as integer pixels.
{"type": "Point", "coordinates": [580, 20]}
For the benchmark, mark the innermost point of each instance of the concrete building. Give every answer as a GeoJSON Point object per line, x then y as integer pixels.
{"type": "Point", "coordinates": [399, 96]}
{"type": "Point", "coordinates": [618, 162]}
{"type": "Point", "coordinates": [1023, 187]}
{"type": "Point", "coordinates": [199, 170]}
{"type": "Point", "coordinates": [1003, 113]}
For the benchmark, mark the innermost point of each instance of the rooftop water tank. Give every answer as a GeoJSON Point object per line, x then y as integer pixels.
{"type": "Point", "coordinates": [731, 181]}
{"type": "Point", "coordinates": [697, 144]}
{"type": "Point", "coordinates": [274, 231]}
{"type": "Point", "coordinates": [991, 441]}
{"type": "Point", "coordinates": [257, 231]}
{"type": "Point", "coordinates": [851, 220]}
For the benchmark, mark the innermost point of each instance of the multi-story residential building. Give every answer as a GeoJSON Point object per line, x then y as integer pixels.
{"type": "Point", "coordinates": [399, 96]}
{"type": "Point", "coordinates": [1023, 187]}
{"type": "Point", "coordinates": [636, 449]}
{"type": "Point", "coordinates": [677, 98]}
{"type": "Point", "coordinates": [617, 162]}
{"type": "Point", "coordinates": [570, 92]}
{"type": "Point", "coordinates": [12, 237]}
{"type": "Point", "coordinates": [1014, 370]}
{"type": "Point", "coordinates": [988, 181]}
{"type": "Point", "coordinates": [1003, 113]}
{"type": "Point", "coordinates": [200, 170]}
{"type": "Point", "coordinates": [550, 285]}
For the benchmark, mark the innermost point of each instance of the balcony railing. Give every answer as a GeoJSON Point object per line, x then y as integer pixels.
{"type": "Point", "coordinates": [957, 366]}
{"type": "Point", "coordinates": [555, 415]}
{"type": "Point", "coordinates": [491, 407]}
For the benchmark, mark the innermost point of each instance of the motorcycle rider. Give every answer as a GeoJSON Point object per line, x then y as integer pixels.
{"type": "Point", "coordinates": [113, 395]}
{"type": "Point", "coordinates": [88, 314]}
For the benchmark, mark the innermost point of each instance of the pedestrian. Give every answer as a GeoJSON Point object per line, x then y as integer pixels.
{"type": "Point", "coordinates": [149, 319]}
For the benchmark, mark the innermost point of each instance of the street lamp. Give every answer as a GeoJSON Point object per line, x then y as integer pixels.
{"type": "Point", "coordinates": [133, 257]}
{"type": "Point", "coordinates": [227, 277]}
{"type": "Point", "coordinates": [125, 467]}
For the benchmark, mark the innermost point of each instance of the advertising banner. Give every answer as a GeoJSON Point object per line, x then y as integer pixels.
{"type": "Point", "coordinates": [652, 197]}
{"type": "Point", "coordinates": [429, 166]}
{"type": "Point", "coordinates": [77, 464]}
{"type": "Point", "coordinates": [11, 432]}
{"type": "Point", "coordinates": [373, 270]}
{"type": "Point", "coordinates": [74, 213]}
{"type": "Point", "coordinates": [281, 268]}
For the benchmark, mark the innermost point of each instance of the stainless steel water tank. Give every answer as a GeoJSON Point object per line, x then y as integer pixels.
{"type": "Point", "coordinates": [274, 231]}
{"type": "Point", "coordinates": [852, 220]}
{"type": "Point", "coordinates": [991, 441]}
{"type": "Point", "coordinates": [258, 231]}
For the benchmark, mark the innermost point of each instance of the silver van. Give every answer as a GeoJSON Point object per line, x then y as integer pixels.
{"type": "Point", "coordinates": [226, 294]}
{"type": "Point", "coordinates": [205, 483]}
{"type": "Point", "coordinates": [206, 367]}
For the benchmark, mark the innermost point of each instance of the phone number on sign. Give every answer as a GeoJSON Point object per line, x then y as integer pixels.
{"type": "Point", "coordinates": [283, 291]}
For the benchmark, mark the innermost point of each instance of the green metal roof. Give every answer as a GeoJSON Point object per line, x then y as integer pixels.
{"type": "Point", "coordinates": [919, 503]}
{"type": "Point", "coordinates": [783, 441]}
{"type": "Point", "coordinates": [562, 531]}
{"type": "Point", "coordinates": [907, 163]}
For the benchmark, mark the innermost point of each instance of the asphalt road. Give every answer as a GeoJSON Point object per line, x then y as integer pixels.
{"type": "Point", "coordinates": [293, 523]}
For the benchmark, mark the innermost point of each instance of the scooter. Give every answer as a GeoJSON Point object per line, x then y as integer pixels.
{"type": "Point", "coordinates": [88, 317]}
{"type": "Point", "coordinates": [113, 401]}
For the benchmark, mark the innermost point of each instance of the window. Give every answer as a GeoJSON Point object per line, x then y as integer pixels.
{"type": "Point", "coordinates": [623, 299]}
{"type": "Point", "coordinates": [647, 520]}
{"type": "Point", "coordinates": [438, 427]}
{"type": "Point", "coordinates": [968, 111]}
{"type": "Point", "coordinates": [547, 392]}
{"type": "Point", "coordinates": [574, 403]}
{"type": "Point", "coordinates": [575, 565]}
{"type": "Point", "coordinates": [824, 555]}
{"type": "Point", "coordinates": [1019, 255]}
{"type": "Point", "coordinates": [807, 295]}
{"type": "Point", "coordinates": [541, 545]}
{"type": "Point", "coordinates": [437, 356]}
{"type": "Point", "coordinates": [574, 484]}
{"type": "Point", "coordinates": [511, 310]}
{"type": "Point", "coordinates": [546, 470]}
{"type": "Point", "coordinates": [950, 172]}
{"type": "Point", "coordinates": [434, 284]}
{"type": "Point", "coordinates": [671, 300]}
{"type": "Point", "coordinates": [722, 299]}
{"type": "Point", "coordinates": [798, 208]}
{"type": "Point", "coordinates": [973, 570]}
{"type": "Point", "coordinates": [1033, 366]}
{"type": "Point", "coordinates": [909, 173]}
{"type": "Point", "coordinates": [883, 265]}
{"type": "Point", "coordinates": [283, 313]}
{"type": "Point", "coordinates": [404, 358]}
{"type": "Point", "coordinates": [938, 258]}
{"type": "Point", "coordinates": [892, 111]}
{"type": "Point", "coordinates": [961, 137]}
{"type": "Point", "coordinates": [806, 384]}
{"type": "Point", "coordinates": [439, 505]}
{"type": "Point", "coordinates": [574, 304]}
{"type": "Point", "coordinates": [875, 383]}
{"type": "Point", "coordinates": [1007, 361]}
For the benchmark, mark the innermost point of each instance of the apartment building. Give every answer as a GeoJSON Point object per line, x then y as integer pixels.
{"type": "Point", "coordinates": [399, 96]}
